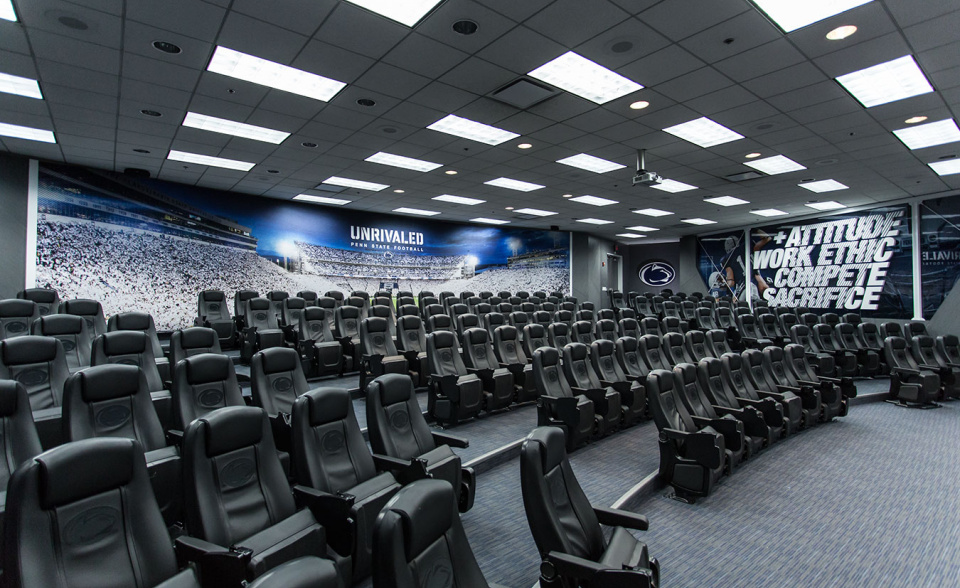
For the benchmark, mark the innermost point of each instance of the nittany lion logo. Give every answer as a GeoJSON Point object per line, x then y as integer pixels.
{"type": "Point", "coordinates": [657, 273]}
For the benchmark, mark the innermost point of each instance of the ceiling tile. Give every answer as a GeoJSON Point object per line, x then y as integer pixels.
{"type": "Point", "coordinates": [571, 22]}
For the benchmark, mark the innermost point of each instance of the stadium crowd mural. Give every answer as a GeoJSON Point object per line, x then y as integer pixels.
{"type": "Point", "coordinates": [152, 246]}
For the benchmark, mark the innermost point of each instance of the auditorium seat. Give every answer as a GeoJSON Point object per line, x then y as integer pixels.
{"type": "Point", "coordinates": [518, 319]}
{"type": "Point", "coordinates": [504, 294]}
{"type": "Point", "coordinates": [456, 310]}
{"type": "Point", "coordinates": [277, 380]}
{"type": "Point", "coordinates": [443, 323]}
{"type": "Point", "coordinates": [657, 303]}
{"type": "Point", "coordinates": [870, 338]}
{"type": "Point", "coordinates": [672, 346]}
{"type": "Point", "coordinates": [18, 435]}
{"type": "Point", "coordinates": [549, 307]}
{"type": "Point", "coordinates": [568, 306]}
{"type": "Point", "coordinates": [47, 299]}
{"type": "Point", "coordinates": [143, 322]}
{"type": "Point", "coordinates": [38, 363]}
{"type": "Point", "coordinates": [606, 314]}
{"type": "Point", "coordinates": [465, 295]}
{"type": "Point", "coordinates": [504, 308]}
{"type": "Point", "coordinates": [73, 335]}
{"type": "Point", "coordinates": [309, 297]}
{"type": "Point", "coordinates": [628, 327]}
{"type": "Point", "coordinates": [485, 295]}
{"type": "Point", "coordinates": [573, 547]}
{"type": "Point", "coordinates": [673, 324]}
{"type": "Point", "coordinates": [382, 294]}
{"type": "Point", "coordinates": [16, 317]}
{"type": "Point", "coordinates": [868, 361]}
{"type": "Point", "coordinates": [606, 329]}
{"type": "Point", "coordinates": [809, 319]}
{"type": "Point", "coordinates": [695, 346]}
{"type": "Point", "coordinates": [472, 303]}
{"type": "Point", "coordinates": [425, 294]}
{"type": "Point", "coordinates": [584, 381]}
{"type": "Point", "coordinates": [651, 326]}
{"type": "Point", "coordinates": [510, 354]}
{"type": "Point", "coordinates": [494, 301]}
{"type": "Point", "coordinates": [633, 398]}
{"type": "Point", "coordinates": [787, 321]}
{"type": "Point", "coordinates": [360, 303]}
{"type": "Point", "coordinates": [585, 314]}
{"type": "Point", "coordinates": [377, 351]}
{"type": "Point", "coordinates": [948, 350]}
{"type": "Point", "coordinates": [408, 309]}
{"type": "Point", "coordinates": [303, 572]}
{"type": "Point", "coordinates": [767, 371]}
{"type": "Point", "coordinates": [412, 344]}
{"type": "Point", "coordinates": [443, 296]}
{"type": "Point", "coordinates": [534, 337]}
{"type": "Point", "coordinates": [491, 321]}
{"type": "Point", "coordinates": [128, 348]}
{"type": "Point", "coordinates": [910, 385]}
{"type": "Point", "coordinates": [240, 514]}
{"type": "Point", "coordinates": [426, 302]}
{"type": "Point", "coordinates": [717, 343]}
{"type": "Point", "coordinates": [558, 334]}
{"type": "Point", "coordinates": [404, 294]}
{"type": "Point", "coordinates": [479, 358]}
{"type": "Point", "coordinates": [739, 446]}
{"type": "Point", "coordinates": [924, 351]}
{"type": "Point", "coordinates": [466, 321]}
{"type": "Point", "coordinates": [760, 430]}
{"type": "Point", "coordinates": [407, 301]}
{"type": "Point", "coordinates": [240, 298]}
{"type": "Point", "coordinates": [727, 319]}
{"type": "Point", "coordinates": [482, 308]}
{"type": "Point", "coordinates": [582, 332]}
{"type": "Point", "coordinates": [95, 492]}
{"type": "Point", "coordinates": [629, 358]}
{"type": "Point", "coordinates": [802, 335]}
{"type": "Point", "coordinates": [624, 313]}
{"type": "Point", "coordinates": [276, 298]}
{"type": "Point", "coordinates": [749, 333]}
{"type": "Point", "coordinates": [692, 459]}
{"type": "Point", "coordinates": [262, 330]}
{"type": "Point", "coordinates": [779, 410]}
{"type": "Point", "coordinates": [845, 360]}
{"type": "Point", "coordinates": [290, 310]}
{"type": "Point", "coordinates": [433, 309]}
{"type": "Point", "coordinates": [337, 296]}
{"type": "Point", "coordinates": [558, 406]}
{"type": "Point", "coordinates": [347, 322]}
{"type": "Point", "coordinates": [212, 312]}
{"type": "Point", "coordinates": [387, 314]}
{"type": "Point", "coordinates": [670, 309]}
{"type": "Point", "coordinates": [201, 384]}
{"type": "Point", "coordinates": [317, 345]}
{"type": "Point", "coordinates": [705, 319]}
{"type": "Point", "coordinates": [651, 350]}
{"type": "Point", "coordinates": [455, 394]}
{"type": "Point", "coordinates": [399, 435]}
{"type": "Point", "coordinates": [114, 401]}
{"type": "Point", "coordinates": [329, 305]}
{"type": "Point", "coordinates": [338, 477]}
{"type": "Point", "coordinates": [834, 392]}
{"type": "Point", "coordinates": [643, 306]}
{"type": "Point", "coordinates": [542, 317]}
{"type": "Point", "coordinates": [769, 328]}
{"type": "Point", "coordinates": [529, 306]}
{"type": "Point", "coordinates": [688, 312]}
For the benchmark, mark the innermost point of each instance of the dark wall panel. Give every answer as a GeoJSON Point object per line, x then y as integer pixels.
{"type": "Point", "coordinates": [14, 179]}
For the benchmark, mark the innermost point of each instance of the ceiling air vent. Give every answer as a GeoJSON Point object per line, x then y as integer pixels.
{"type": "Point", "coordinates": [523, 93]}
{"type": "Point", "coordinates": [742, 177]}
{"type": "Point", "coordinates": [329, 188]}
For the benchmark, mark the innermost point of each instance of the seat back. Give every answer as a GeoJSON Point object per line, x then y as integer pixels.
{"type": "Point", "coordinates": [582, 332]}
{"type": "Point", "coordinates": [519, 319]}
{"type": "Point", "coordinates": [433, 309]}
{"type": "Point", "coordinates": [290, 310]}
{"type": "Point", "coordinates": [606, 314]}
{"type": "Point", "coordinates": [492, 320]}
{"type": "Point", "coordinates": [234, 485]}
{"type": "Point", "coordinates": [825, 337]}
{"type": "Point", "coordinates": [314, 326]}
{"type": "Point", "coordinates": [37, 363]}
{"type": "Point", "coordinates": [478, 350]}
{"type": "Point", "coordinates": [606, 329]}
{"type": "Point", "coordinates": [795, 358]}
{"type": "Point", "coordinates": [277, 379]}
{"type": "Point", "coordinates": [542, 317]}
{"type": "Point", "coordinates": [755, 366]}
{"type": "Point", "coordinates": [458, 309]}
{"type": "Point", "coordinates": [830, 318]}
{"type": "Point", "coordinates": [347, 320]}
{"type": "Point", "coordinates": [407, 301]}
{"type": "Point", "coordinates": [585, 314]}
{"type": "Point", "coordinates": [897, 353]}
{"type": "Point", "coordinates": [309, 297]}
{"type": "Point", "coordinates": [411, 336]}
{"type": "Point", "coordinates": [948, 348]}
{"type": "Point", "coordinates": [852, 318]}
{"type": "Point", "coordinates": [870, 335]}
{"type": "Point", "coordinates": [767, 325]}
{"type": "Point", "coordinates": [629, 357]}
{"type": "Point", "coordinates": [137, 321]}
{"type": "Point", "coordinates": [802, 335]}
{"type": "Point", "coordinates": [846, 334]}
{"type": "Point", "coordinates": [563, 316]}
{"type": "Point", "coordinates": [652, 353]}
{"type": "Point", "coordinates": [916, 329]}
{"type": "Point", "coordinates": [128, 348]}
{"type": "Point", "coordinates": [443, 358]}
{"type": "Point", "coordinates": [809, 319]}
{"type": "Point", "coordinates": [73, 335]}
{"type": "Point", "coordinates": [504, 308]}
{"type": "Point", "coordinates": [111, 400]}
{"type": "Point", "coordinates": [192, 341]}
{"type": "Point", "coordinates": [736, 378]}
{"type": "Point", "coordinates": [534, 337]}
{"type": "Point", "coordinates": [408, 310]}
{"type": "Point", "coordinates": [202, 384]}
{"type": "Point", "coordinates": [710, 377]}
{"type": "Point", "coordinates": [603, 356]}
{"type": "Point", "coordinates": [16, 317]}
{"type": "Point", "coordinates": [651, 326]}
{"type": "Point", "coordinates": [666, 408]}
{"type": "Point", "coordinates": [690, 391]}
{"type": "Point", "coordinates": [747, 325]}
{"type": "Point", "coordinates": [726, 319]}
{"type": "Point", "coordinates": [705, 319]}
{"type": "Point", "coordinates": [240, 298]}
{"type": "Point", "coordinates": [47, 299]}
{"type": "Point", "coordinates": [329, 305]}
{"type": "Point", "coordinates": [394, 421]}
{"type": "Point", "coordinates": [577, 368]}
{"type": "Point", "coordinates": [695, 346]}
{"type": "Point", "coordinates": [558, 334]}
{"type": "Point", "coordinates": [549, 307]}
{"type": "Point", "coordinates": [548, 374]}
{"type": "Point", "coordinates": [360, 303]}
{"type": "Point", "coordinates": [84, 514]}
{"type": "Point", "coordinates": [259, 313]}
{"type": "Point", "coordinates": [482, 308]}
{"type": "Point", "coordinates": [426, 302]}
{"type": "Point", "coordinates": [673, 348]}
{"type": "Point", "coordinates": [441, 322]}
{"type": "Point", "coordinates": [337, 296]}
{"type": "Point", "coordinates": [506, 345]}
{"type": "Point", "coordinates": [212, 306]}
{"type": "Point", "coordinates": [467, 321]}
{"type": "Point", "coordinates": [777, 371]}
{"type": "Point", "coordinates": [19, 441]}
{"type": "Point", "coordinates": [629, 327]}
{"type": "Point", "coordinates": [717, 343]}
{"type": "Point", "coordinates": [375, 337]}
{"type": "Point", "coordinates": [787, 321]}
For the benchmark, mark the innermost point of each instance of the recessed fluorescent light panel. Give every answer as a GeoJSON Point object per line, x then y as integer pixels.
{"type": "Point", "coordinates": [930, 134]}
{"type": "Point", "coordinates": [403, 162]}
{"type": "Point", "coordinates": [534, 212]}
{"type": "Point", "coordinates": [468, 129]}
{"type": "Point", "coordinates": [824, 186]}
{"type": "Point", "coordinates": [630, 235]}
{"type": "Point", "coordinates": [697, 221]}
{"type": "Point", "coordinates": [768, 212]}
{"type": "Point", "coordinates": [490, 221]}
{"type": "Point", "coordinates": [210, 161]}
{"type": "Point", "coordinates": [726, 201]}
{"type": "Point", "coordinates": [273, 75]}
{"type": "Point", "coordinates": [458, 199]}
{"type": "Point", "coordinates": [594, 200]}
{"type": "Point", "coordinates": [791, 15]}
{"type": "Point", "coordinates": [886, 82]}
{"type": "Point", "coordinates": [406, 12]}
{"type": "Point", "coordinates": [416, 211]}
{"type": "Point", "coordinates": [642, 228]}
{"type": "Point", "coordinates": [578, 75]}
{"type": "Point", "coordinates": [359, 184]}
{"type": "Point", "coordinates": [673, 186]}
{"type": "Point", "coordinates": [591, 163]}
{"type": "Point", "coordinates": [514, 184]}
{"type": "Point", "coordinates": [11, 84]}
{"type": "Point", "coordinates": [6, 11]}
{"type": "Point", "coordinates": [229, 127]}
{"type": "Point", "coordinates": [653, 212]}
{"type": "Point", "coordinates": [28, 133]}
{"type": "Point", "coordinates": [778, 164]}
{"type": "Point", "coordinates": [321, 199]}
{"type": "Point", "coordinates": [946, 168]}
{"type": "Point", "coordinates": [828, 205]}
{"type": "Point", "coordinates": [703, 132]}
{"type": "Point", "coordinates": [594, 221]}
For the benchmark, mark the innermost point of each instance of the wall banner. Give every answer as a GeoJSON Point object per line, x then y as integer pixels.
{"type": "Point", "coordinates": [722, 265]}
{"type": "Point", "coordinates": [939, 250]}
{"type": "Point", "coordinates": [853, 262]}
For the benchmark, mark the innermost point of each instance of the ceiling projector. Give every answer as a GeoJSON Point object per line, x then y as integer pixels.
{"type": "Point", "coordinates": [644, 177]}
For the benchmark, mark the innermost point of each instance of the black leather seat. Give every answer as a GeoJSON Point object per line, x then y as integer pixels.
{"type": "Point", "coordinates": [910, 385]}
{"type": "Point", "coordinates": [510, 354]}
{"type": "Point", "coordinates": [378, 353]}
{"type": "Point", "coordinates": [47, 299]}
{"type": "Point", "coordinates": [16, 317]}
{"type": "Point", "coordinates": [834, 392]}
{"type": "Point", "coordinates": [90, 310]}
{"type": "Point", "coordinates": [399, 435]}
{"type": "Point", "coordinates": [630, 358]}
{"type": "Point", "coordinates": [558, 406]}
{"type": "Point", "coordinates": [739, 447]}
{"type": "Point", "coordinates": [566, 527]}
{"type": "Point", "coordinates": [534, 337]}
{"type": "Point", "coordinates": [419, 541]}
{"type": "Point", "coordinates": [309, 296]}
{"type": "Point", "coordinates": [83, 514]}
{"type": "Point", "coordinates": [466, 321]}
{"type": "Point", "coordinates": [128, 348]}
{"type": "Point", "coordinates": [290, 310]}
{"type": "Point", "coordinates": [718, 343]}
{"type": "Point", "coordinates": [18, 435]}
{"type": "Point", "coordinates": [924, 351]}
{"type": "Point", "coordinates": [143, 322]}
{"type": "Point", "coordinates": [437, 323]}
{"type": "Point", "coordinates": [344, 487]}
{"type": "Point", "coordinates": [73, 335]}
{"type": "Point", "coordinates": [705, 319]}
{"type": "Point", "coordinates": [491, 321]}
{"type": "Point", "coordinates": [583, 380]}
{"type": "Point", "coordinates": [629, 327]}
{"type": "Point", "coordinates": [750, 334]}
{"type": "Point", "coordinates": [38, 364]}
{"type": "Point", "coordinates": [201, 384]}
{"type": "Point", "coordinates": [582, 332]}
{"type": "Point", "coordinates": [586, 314]}
{"type": "Point", "coordinates": [762, 429]}
{"type": "Point", "coordinates": [868, 360]}
{"type": "Point", "coordinates": [276, 298]}
{"type": "Point", "coordinates": [652, 353]}
{"type": "Point", "coordinates": [329, 305]}
{"type": "Point", "coordinates": [673, 324]}
{"type": "Point", "coordinates": [769, 328]}
{"type": "Point", "coordinates": [479, 358]}
{"type": "Point", "coordinates": [672, 347]}
{"type": "Point", "coordinates": [277, 380]}
{"type": "Point", "coordinates": [262, 329]}
{"type": "Point", "coordinates": [692, 459]}
{"type": "Point", "coordinates": [455, 394]}
{"type": "Point", "coordinates": [948, 350]}
{"type": "Point", "coordinates": [651, 326]}
{"type": "Point", "coordinates": [347, 330]}
{"type": "Point", "coordinates": [212, 312]}
{"type": "Point", "coordinates": [768, 371]}
{"type": "Point", "coordinates": [192, 341]}
{"type": "Point", "coordinates": [518, 319]}
{"type": "Point", "coordinates": [317, 346]}
{"type": "Point", "coordinates": [779, 410]}
{"type": "Point", "coordinates": [803, 335]}
{"type": "Point", "coordinates": [606, 329]}
{"type": "Point", "coordinates": [695, 346]}
{"type": "Point", "coordinates": [633, 398]}
{"type": "Point", "coordinates": [558, 334]}
{"type": "Point", "coordinates": [412, 344]}
{"type": "Point", "coordinates": [542, 318]}
{"type": "Point", "coordinates": [337, 296]}
{"type": "Point", "coordinates": [240, 513]}
{"type": "Point", "coordinates": [240, 298]}
{"type": "Point", "coordinates": [844, 359]}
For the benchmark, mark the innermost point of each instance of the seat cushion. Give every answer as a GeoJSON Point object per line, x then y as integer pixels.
{"type": "Point", "coordinates": [624, 549]}
{"type": "Point", "coordinates": [444, 464]}
{"type": "Point", "coordinates": [296, 536]}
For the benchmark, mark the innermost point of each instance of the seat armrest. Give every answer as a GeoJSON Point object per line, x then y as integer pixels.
{"type": "Point", "coordinates": [564, 407]}
{"type": "Point", "coordinates": [927, 366]}
{"type": "Point", "coordinates": [405, 471]}
{"type": "Point", "coordinates": [174, 437]}
{"type": "Point", "coordinates": [613, 517]}
{"type": "Point", "coordinates": [731, 429]}
{"type": "Point", "coordinates": [447, 439]}
{"type": "Point", "coordinates": [734, 412]}
{"type": "Point", "coordinates": [704, 447]}
{"type": "Point", "coordinates": [620, 387]}
{"type": "Point", "coordinates": [596, 395]}
{"type": "Point", "coordinates": [783, 388]}
{"type": "Point", "coordinates": [333, 512]}
{"type": "Point", "coordinates": [595, 574]}
{"type": "Point", "coordinates": [219, 566]}
{"type": "Point", "coordinates": [908, 371]}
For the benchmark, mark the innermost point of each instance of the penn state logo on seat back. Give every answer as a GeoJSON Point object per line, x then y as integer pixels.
{"type": "Point", "coordinates": [91, 526]}
{"type": "Point", "coordinates": [656, 273]}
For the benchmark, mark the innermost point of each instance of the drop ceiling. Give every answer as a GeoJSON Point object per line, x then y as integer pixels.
{"type": "Point", "coordinates": [98, 70]}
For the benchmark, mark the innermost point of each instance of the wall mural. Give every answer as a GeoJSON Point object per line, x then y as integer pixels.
{"type": "Point", "coordinates": [939, 250]}
{"type": "Point", "coordinates": [722, 264]}
{"type": "Point", "coordinates": [151, 245]}
{"type": "Point", "coordinates": [858, 261]}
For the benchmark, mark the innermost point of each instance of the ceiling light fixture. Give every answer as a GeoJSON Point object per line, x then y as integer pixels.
{"type": "Point", "coordinates": [697, 221]}
{"type": "Point", "coordinates": [209, 160]}
{"type": "Point", "coordinates": [594, 221]}
{"type": "Point", "coordinates": [359, 184]}
{"type": "Point", "coordinates": [524, 146]}
{"type": "Point", "coordinates": [630, 235]}
{"type": "Point", "coordinates": [11, 84]}
{"type": "Point", "coordinates": [469, 129]}
{"type": "Point", "coordinates": [403, 162]}
{"type": "Point", "coordinates": [534, 212]}
{"type": "Point", "coordinates": [578, 75]}
{"type": "Point", "coordinates": [827, 205]}
{"type": "Point", "coordinates": [930, 134]}
{"type": "Point", "coordinates": [752, 155]}
{"type": "Point", "coordinates": [823, 186]}
{"type": "Point", "coordinates": [451, 172]}
{"type": "Point", "coordinates": [768, 212]}
{"type": "Point", "coordinates": [321, 199]}
{"type": "Point", "coordinates": [458, 199]}
{"type": "Point", "coordinates": [513, 185]}
{"type": "Point", "coordinates": [6, 11]}
{"type": "Point", "coordinates": [273, 75]}
{"type": "Point", "coordinates": [791, 16]}
{"type": "Point", "coordinates": [236, 129]}
{"type": "Point", "coordinates": [642, 228]}
{"type": "Point", "coordinates": [946, 168]}
{"type": "Point", "coordinates": [653, 212]}
{"type": "Point", "coordinates": [778, 164]}
{"type": "Point", "coordinates": [840, 33]}
{"type": "Point", "coordinates": [703, 132]}
{"type": "Point", "coordinates": [915, 119]}
{"type": "Point", "coordinates": [28, 133]}
{"type": "Point", "coordinates": [509, 208]}
{"type": "Point", "coordinates": [568, 195]}
{"type": "Point", "coordinates": [398, 191]}
{"type": "Point", "coordinates": [726, 201]}
{"type": "Point", "coordinates": [886, 82]}
{"type": "Point", "coordinates": [593, 200]}
{"type": "Point", "coordinates": [590, 163]}
{"type": "Point", "coordinates": [672, 186]}
{"type": "Point", "coordinates": [489, 221]}
{"type": "Point", "coordinates": [406, 12]}
{"type": "Point", "coordinates": [415, 211]}
{"type": "Point", "coordinates": [639, 105]}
